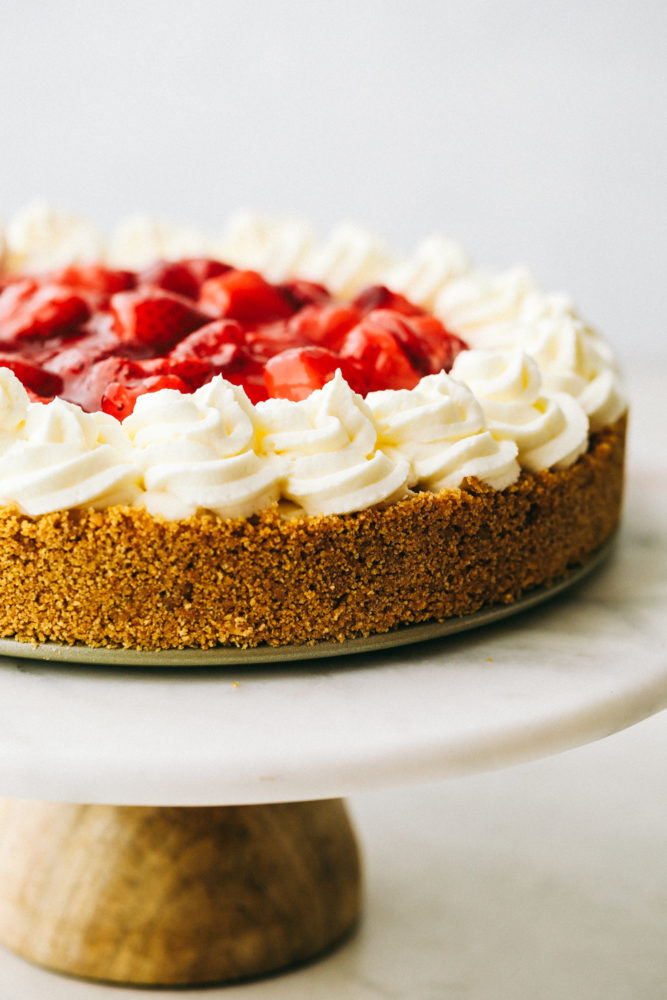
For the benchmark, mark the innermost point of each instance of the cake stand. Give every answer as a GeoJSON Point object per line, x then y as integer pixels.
{"type": "Point", "coordinates": [170, 826]}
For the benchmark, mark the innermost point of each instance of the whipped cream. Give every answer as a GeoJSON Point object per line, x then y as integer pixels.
{"type": "Point", "coordinates": [549, 431]}
{"type": "Point", "coordinates": [41, 237]}
{"type": "Point", "coordinates": [347, 261]}
{"type": "Point", "coordinates": [423, 275]}
{"type": "Point", "coordinates": [139, 241]}
{"type": "Point", "coordinates": [274, 247]}
{"type": "Point", "coordinates": [329, 445]}
{"type": "Point", "coordinates": [14, 402]}
{"type": "Point", "coordinates": [439, 428]}
{"type": "Point", "coordinates": [61, 457]}
{"type": "Point", "coordinates": [572, 357]}
{"type": "Point", "coordinates": [199, 451]}
{"type": "Point", "coordinates": [478, 299]}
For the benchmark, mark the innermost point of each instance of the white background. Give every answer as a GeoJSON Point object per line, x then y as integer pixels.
{"type": "Point", "coordinates": [532, 132]}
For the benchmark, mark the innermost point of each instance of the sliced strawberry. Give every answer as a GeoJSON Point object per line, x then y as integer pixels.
{"type": "Point", "coordinates": [424, 341]}
{"type": "Point", "coordinates": [402, 330]}
{"type": "Point", "coordinates": [325, 326]}
{"type": "Point", "coordinates": [381, 355]}
{"type": "Point", "coordinates": [35, 397]}
{"type": "Point", "coordinates": [14, 295]}
{"type": "Point", "coordinates": [437, 342]}
{"type": "Point", "coordinates": [30, 310]}
{"type": "Point", "coordinates": [40, 384]}
{"type": "Point", "coordinates": [119, 400]}
{"type": "Point", "coordinates": [296, 373]}
{"type": "Point", "coordinates": [230, 360]}
{"type": "Point", "coordinates": [270, 339]}
{"type": "Point", "coordinates": [10, 278]}
{"type": "Point", "coordinates": [209, 339]}
{"type": "Point", "coordinates": [184, 277]}
{"type": "Point", "coordinates": [380, 297]}
{"type": "Point", "coordinates": [245, 296]}
{"type": "Point", "coordinates": [102, 373]}
{"type": "Point", "coordinates": [320, 326]}
{"type": "Point", "coordinates": [300, 293]}
{"type": "Point", "coordinates": [154, 318]}
{"type": "Point", "coordinates": [102, 281]}
{"type": "Point", "coordinates": [95, 339]}
{"type": "Point", "coordinates": [249, 375]}
{"type": "Point", "coordinates": [71, 358]}
{"type": "Point", "coordinates": [193, 371]}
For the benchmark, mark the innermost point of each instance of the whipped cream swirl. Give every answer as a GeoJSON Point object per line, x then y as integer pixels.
{"type": "Point", "coordinates": [274, 247]}
{"type": "Point", "coordinates": [63, 458]}
{"type": "Point", "coordinates": [572, 358]}
{"type": "Point", "coordinates": [439, 428]}
{"type": "Point", "coordinates": [41, 237]}
{"type": "Point", "coordinates": [14, 402]}
{"type": "Point", "coordinates": [420, 277]}
{"type": "Point", "coordinates": [139, 240]}
{"type": "Point", "coordinates": [329, 444]}
{"type": "Point", "coordinates": [575, 359]}
{"type": "Point", "coordinates": [550, 431]}
{"type": "Point", "coordinates": [199, 451]}
{"type": "Point", "coordinates": [480, 298]}
{"type": "Point", "coordinates": [347, 261]}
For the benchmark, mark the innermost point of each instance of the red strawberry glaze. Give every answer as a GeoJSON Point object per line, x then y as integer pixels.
{"type": "Point", "coordinates": [101, 337]}
{"type": "Point", "coordinates": [36, 311]}
{"type": "Point", "coordinates": [184, 277]}
{"type": "Point", "coordinates": [245, 296]}
{"type": "Point", "coordinates": [154, 319]}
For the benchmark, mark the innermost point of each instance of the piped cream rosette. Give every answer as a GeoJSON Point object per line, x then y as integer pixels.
{"type": "Point", "coordinates": [574, 359]}
{"type": "Point", "coordinates": [348, 260]}
{"type": "Point", "coordinates": [329, 445]}
{"type": "Point", "coordinates": [40, 238]}
{"type": "Point", "coordinates": [550, 431]}
{"type": "Point", "coordinates": [14, 404]}
{"type": "Point", "coordinates": [139, 240]}
{"type": "Point", "coordinates": [276, 248]}
{"type": "Point", "coordinates": [439, 428]}
{"type": "Point", "coordinates": [436, 261]}
{"type": "Point", "coordinates": [506, 310]}
{"type": "Point", "coordinates": [199, 451]}
{"type": "Point", "coordinates": [60, 457]}
{"type": "Point", "coordinates": [479, 299]}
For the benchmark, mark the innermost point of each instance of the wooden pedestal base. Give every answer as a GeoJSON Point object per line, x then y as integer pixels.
{"type": "Point", "coordinates": [173, 896]}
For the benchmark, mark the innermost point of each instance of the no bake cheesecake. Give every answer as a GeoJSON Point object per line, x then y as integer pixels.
{"type": "Point", "coordinates": [267, 439]}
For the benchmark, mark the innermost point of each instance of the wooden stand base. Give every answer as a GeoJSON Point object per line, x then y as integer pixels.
{"type": "Point", "coordinates": [174, 896]}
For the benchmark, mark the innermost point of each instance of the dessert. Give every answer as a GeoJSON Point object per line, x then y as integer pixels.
{"type": "Point", "coordinates": [268, 440]}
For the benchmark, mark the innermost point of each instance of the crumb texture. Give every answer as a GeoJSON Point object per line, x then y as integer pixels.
{"type": "Point", "coordinates": [120, 577]}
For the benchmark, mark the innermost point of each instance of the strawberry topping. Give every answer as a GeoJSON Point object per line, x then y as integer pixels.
{"type": "Point", "coordinates": [101, 337]}
{"type": "Point", "coordinates": [245, 296]}
{"type": "Point", "coordinates": [31, 310]}
{"type": "Point", "coordinates": [184, 277]}
{"type": "Point", "coordinates": [154, 318]}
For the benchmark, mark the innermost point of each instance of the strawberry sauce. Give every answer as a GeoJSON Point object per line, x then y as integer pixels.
{"type": "Point", "coordinates": [101, 337]}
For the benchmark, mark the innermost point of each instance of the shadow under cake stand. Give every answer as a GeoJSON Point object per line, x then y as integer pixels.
{"type": "Point", "coordinates": [118, 861]}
